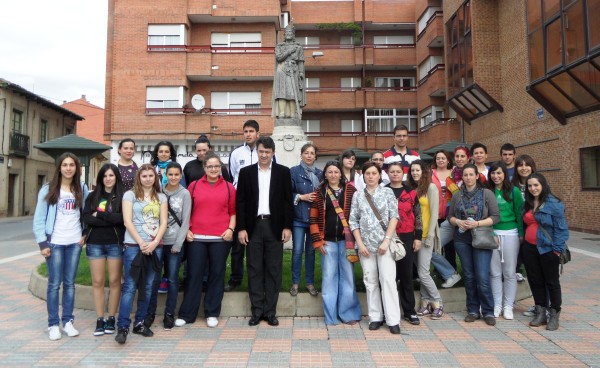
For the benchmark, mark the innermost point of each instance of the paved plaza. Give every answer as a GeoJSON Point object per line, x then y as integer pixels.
{"type": "Point", "coordinates": [307, 342]}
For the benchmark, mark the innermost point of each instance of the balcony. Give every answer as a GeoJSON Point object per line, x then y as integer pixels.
{"type": "Point", "coordinates": [433, 33]}
{"type": "Point", "coordinates": [231, 11]}
{"type": "Point", "coordinates": [331, 99]}
{"type": "Point", "coordinates": [434, 83]}
{"type": "Point", "coordinates": [339, 57]}
{"type": "Point", "coordinates": [383, 97]}
{"type": "Point", "coordinates": [19, 144]}
{"type": "Point", "coordinates": [390, 55]}
{"type": "Point", "coordinates": [310, 12]}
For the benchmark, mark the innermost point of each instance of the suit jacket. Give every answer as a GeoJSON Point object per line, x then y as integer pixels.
{"type": "Point", "coordinates": [281, 203]}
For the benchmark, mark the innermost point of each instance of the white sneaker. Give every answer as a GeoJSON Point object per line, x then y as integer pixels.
{"type": "Point", "coordinates": [520, 277]}
{"type": "Point", "coordinates": [54, 333]}
{"type": "Point", "coordinates": [508, 313]}
{"type": "Point", "coordinates": [452, 280]}
{"type": "Point", "coordinates": [212, 322]}
{"type": "Point", "coordinates": [497, 311]}
{"type": "Point", "coordinates": [180, 322]}
{"type": "Point", "coordinates": [70, 330]}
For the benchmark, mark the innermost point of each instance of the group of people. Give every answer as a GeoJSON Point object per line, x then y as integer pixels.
{"type": "Point", "coordinates": [144, 222]}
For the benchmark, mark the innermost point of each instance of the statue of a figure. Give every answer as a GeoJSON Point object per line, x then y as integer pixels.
{"type": "Point", "coordinates": [289, 94]}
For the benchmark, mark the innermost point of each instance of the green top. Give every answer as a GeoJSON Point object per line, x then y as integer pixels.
{"type": "Point", "coordinates": [510, 212]}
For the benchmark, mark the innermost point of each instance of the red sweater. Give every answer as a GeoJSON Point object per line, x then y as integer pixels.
{"type": "Point", "coordinates": [212, 206]}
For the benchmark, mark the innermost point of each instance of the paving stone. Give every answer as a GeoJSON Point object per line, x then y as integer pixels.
{"type": "Point", "coordinates": [203, 333]}
{"type": "Point", "coordinates": [435, 360]}
{"type": "Point", "coordinates": [444, 324]}
{"type": "Point", "coordinates": [486, 334]}
{"type": "Point", "coordinates": [104, 357]}
{"type": "Point", "coordinates": [231, 345]}
{"type": "Point", "coordinates": [18, 358]}
{"type": "Point", "coordinates": [389, 345]}
{"type": "Point", "coordinates": [593, 360]}
{"type": "Point", "coordinates": [236, 322]}
{"type": "Point", "coordinates": [346, 334]}
{"type": "Point", "coordinates": [307, 322]}
{"type": "Point", "coordinates": [464, 346]}
{"type": "Point", "coordinates": [418, 334]}
{"type": "Point", "coordinates": [274, 333]}
{"type": "Point", "coordinates": [275, 359]}
{"type": "Point", "coordinates": [352, 359]}
{"type": "Point", "coordinates": [191, 359]}
{"type": "Point", "coordinates": [519, 360]}
{"type": "Point", "coordinates": [310, 345]}
{"type": "Point", "coordinates": [542, 347]}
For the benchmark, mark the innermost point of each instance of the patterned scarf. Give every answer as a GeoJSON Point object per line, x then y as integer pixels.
{"type": "Point", "coordinates": [162, 165]}
{"type": "Point", "coordinates": [310, 172]}
{"type": "Point", "coordinates": [457, 174]}
{"type": "Point", "coordinates": [351, 253]}
{"type": "Point", "coordinates": [471, 203]}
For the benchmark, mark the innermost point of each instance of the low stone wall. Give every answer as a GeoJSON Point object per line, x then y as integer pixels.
{"type": "Point", "coordinates": [237, 304]}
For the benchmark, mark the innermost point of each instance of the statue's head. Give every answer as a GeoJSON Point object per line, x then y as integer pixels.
{"type": "Point", "coordinates": [290, 32]}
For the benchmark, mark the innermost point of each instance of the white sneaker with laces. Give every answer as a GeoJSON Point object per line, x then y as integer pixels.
{"type": "Point", "coordinates": [508, 313]}
{"type": "Point", "coordinates": [520, 277]}
{"type": "Point", "coordinates": [180, 322]}
{"type": "Point", "coordinates": [70, 330]}
{"type": "Point", "coordinates": [452, 280]}
{"type": "Point", "coordinates": [497, 311]}
{"type": "Point", "coordinates": [212, 322]}
{"type": "Point", "coordinates": [54, 333]}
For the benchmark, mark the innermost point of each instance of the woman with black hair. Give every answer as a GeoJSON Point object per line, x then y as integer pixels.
{"type": "Point", "coordinates": [163, 153]}
{"type": "Point", "coordinates": [546, 233]}
{"type": "Point", "coordinates": [194, 169]}
{"type": "Point", "coordinates": [127, 167]}
{"type": "Point", "coordinates": [348, 160]}
{"type": "Point", "coordinates": [524, 166]}
{"type": "Point", "coordinates": [105, 233]}
{"type": "Point", "coordinates": [509, 231]}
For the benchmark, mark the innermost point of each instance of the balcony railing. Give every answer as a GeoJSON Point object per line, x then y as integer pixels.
{"type": "Point", "coordinates": [187, 110]}
{"type": "Point", "coordinates": [19, 144]}
{"type": "Point", "coordinates": [210, 49]}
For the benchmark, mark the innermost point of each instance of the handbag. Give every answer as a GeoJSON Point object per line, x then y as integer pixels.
{"type": "Point", "coordinates": [396, 246]}
{"type": "Point", "coordinates": [565, 256]}
{"type": "Point", "coordinates": [484, 238]}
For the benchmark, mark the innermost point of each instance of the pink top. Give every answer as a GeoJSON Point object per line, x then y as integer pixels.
{"type": "Point", "coordinates": [212, 206]}
{"type": "Point", "coordinates": [532, 227]}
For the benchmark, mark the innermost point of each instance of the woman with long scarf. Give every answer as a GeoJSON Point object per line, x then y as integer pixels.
{"type": "Point", "coordinates": [305, 180]}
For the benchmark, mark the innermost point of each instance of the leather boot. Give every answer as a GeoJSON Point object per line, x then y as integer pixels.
{"type": "Point", "coordinates": [553, 322]}
{"type": "Point", "coordinates": [540, 317]}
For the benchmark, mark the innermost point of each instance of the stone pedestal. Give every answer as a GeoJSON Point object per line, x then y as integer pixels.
{"type": "Point", "coordinates": [289, 139]}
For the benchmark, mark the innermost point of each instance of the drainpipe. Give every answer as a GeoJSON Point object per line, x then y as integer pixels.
{"type": "Point", "coordinates": [3, 124]}
{"type": "Point", "coordinates": [25, 162]}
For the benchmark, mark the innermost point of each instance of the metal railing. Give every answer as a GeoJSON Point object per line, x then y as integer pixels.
{"type": "Point", "coordinates": [19, 144]}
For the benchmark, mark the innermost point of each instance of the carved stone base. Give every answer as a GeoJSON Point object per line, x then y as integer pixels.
{"type": "Point", "coordinates": [289, 139]}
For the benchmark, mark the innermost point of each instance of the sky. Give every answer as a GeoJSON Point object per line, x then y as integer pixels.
{"type": "Point", "coordinates": [55, 49]}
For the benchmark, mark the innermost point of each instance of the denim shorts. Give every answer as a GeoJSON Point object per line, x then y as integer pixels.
{"type": "Point", "coordinates": [102, 251]}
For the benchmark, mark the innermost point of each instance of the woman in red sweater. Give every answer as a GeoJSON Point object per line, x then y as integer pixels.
{"type": "Point", "coordinates": [211, 233]}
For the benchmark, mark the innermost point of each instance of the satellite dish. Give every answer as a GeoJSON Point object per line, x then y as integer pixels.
{"type": "Point", "coordinates": [198, 102]}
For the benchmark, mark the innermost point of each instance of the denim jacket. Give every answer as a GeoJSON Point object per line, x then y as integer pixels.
{"type": "Point", "coordinates": [551, 215]}
{"type": "Point", "coordinates": [45, 216]}
{"type": "Point", "coordinates": [301, 184]}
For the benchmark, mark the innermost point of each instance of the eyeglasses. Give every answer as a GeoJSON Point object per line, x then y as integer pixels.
{"type": "Point", "coordinates": [213, 167]}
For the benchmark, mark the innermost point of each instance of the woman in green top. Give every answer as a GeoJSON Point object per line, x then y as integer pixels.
{"type": "Point", "coordinates": [510, 234]}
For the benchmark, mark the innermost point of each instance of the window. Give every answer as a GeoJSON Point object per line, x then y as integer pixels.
{"type": "Point", "coordinates": [43, 130]}
{"type": "Point", "coordinates": [430, 12]}
{"type": "Point", "coordinates": [308, 41]}
{"type": "Point", "coordinates": [395, 82]}
{"type": "Point", "coordinates": [164, 98]}
{"type": "Point", "coordinates": [394, 40]}
{"type": "Point", "coordinates": [564, 69]}
{"type": "Point", "coordinates": [248, 102]}
{"type": "Point", "coordinates": [352, 125]}
{"type": "Point", "coordinates": [347, 40]}
{"type": "Point", "coordinates": [236, 40]}
{"type": "Point", "coordinates": [590, 167]}
{"type": "Point", "coordinates": [166, 34]}
{"type": "Point", "coordinates": [430, 114]}
{"type": "Point", "coordinates": [459, 53]}
{"type": "Point", "coordinates": [351, 82]}
{"type": "Point", "coordinates": [312, 83]}
{"type": "Point", "coordinates": [427, 65]}
{"type": "Point", "coordinates": [311, 126]}
{"type": "Point", "coordinates": [17, 121]}
{"type": "Point", "coordinates": [384, 120]}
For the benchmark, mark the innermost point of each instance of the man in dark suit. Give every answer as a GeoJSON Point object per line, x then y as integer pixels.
{"type": "Point", "coordinates": [264, 221]}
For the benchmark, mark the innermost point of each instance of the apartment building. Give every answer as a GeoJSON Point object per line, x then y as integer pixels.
{"type": "Point", "coordinates": [27, 119]}
{"type": "Point", "coordinates": [370, 65]}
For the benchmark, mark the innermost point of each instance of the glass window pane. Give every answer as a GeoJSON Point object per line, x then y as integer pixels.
{"type": "Point", "coordinates": [573, 30]}
{"type": "Point", "coordinates": [574, 90]}
{"type": "Point", "coordinates": [554, 45]}
{"type": "Point", "coordinates": [593, 9]}
{"type": "Point", "coordinates": [534, 14]}
{"type": "Point", "coordinates": [588, 75]}
{"type": "Point", "coordinates": [551, 8]}
{"type": "Point", "coordinates": [468, 61]}
{"type": "Point", "coordinates": [536, 55]}
{"type": "Point", "coordinates": [590, 167]}
{"type": "Point", "coordinates": [467, 17]}
{"type": "Point", "coordinates": [555, 97]}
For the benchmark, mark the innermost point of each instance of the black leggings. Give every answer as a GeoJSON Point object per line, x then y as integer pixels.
{"type": "Point", "coordinates": [542, 273]}
{"type": "Point", "coordinates": [404, 268]}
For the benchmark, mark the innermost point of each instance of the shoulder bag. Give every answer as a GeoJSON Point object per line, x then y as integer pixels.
{"type": "Point", "coordinates": [484, 238]}
{"type": "Point", "coordinates": [396, 246]}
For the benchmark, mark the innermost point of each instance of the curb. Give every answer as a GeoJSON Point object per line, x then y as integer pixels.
{"type": "Point", "coordinates": [237, 304]}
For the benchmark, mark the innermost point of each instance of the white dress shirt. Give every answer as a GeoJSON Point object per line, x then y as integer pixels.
{"type": "Point", "coordinates": [264, 185]}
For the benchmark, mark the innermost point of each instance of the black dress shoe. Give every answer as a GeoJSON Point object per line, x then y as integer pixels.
{"type": "Point", "coordinates": [231, 286]}
{"type": "Point", "coordinates": [375, 325]}
{"type": "Point", "coordinates": [395, 329]}
{"type": "Point", "coordinates": [272, 320]}
{"type": "Point", "coordinates": [255, 320]}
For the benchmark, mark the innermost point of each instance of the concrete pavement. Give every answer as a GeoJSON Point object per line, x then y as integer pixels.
{"type": "Point", "coordinates": [307, 342]}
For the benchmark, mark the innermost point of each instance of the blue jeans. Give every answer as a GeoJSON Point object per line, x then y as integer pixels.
{"type": "Point", "coordinates": [442, 265]}
{"type": "Point", "coordinates": [62, 267]}
{"type": "Point", "coordinates": [129, 289]}
{"type": "Point", "coordinates": [340, 302]}
{"type": "Point", "coordinates": [171, 261]}
{"type": "Point", "coordinates": [104, 251]}
{"type": "Point", "coordinates": [302, 243]}
{"type": "Point", "coordinates": [476, 271]}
